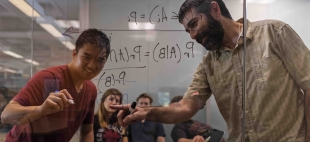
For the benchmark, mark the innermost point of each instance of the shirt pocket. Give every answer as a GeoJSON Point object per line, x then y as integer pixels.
{"type": "Point", "coordinates": [222, 86]}
{"type": "Point", "coordinates": [272, 72]}
{"type": "Point", "coordinates": [220, 83]}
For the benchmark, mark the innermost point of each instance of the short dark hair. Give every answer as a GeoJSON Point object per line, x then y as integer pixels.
{"type": "Point", "coordinates": [202, 6]}
{"type": "Point", "coordinates": [93, 36]}
{"type": "Point", "coordinates": [176, 99]}
{"type": "Point", "coordinates": [145, 95]}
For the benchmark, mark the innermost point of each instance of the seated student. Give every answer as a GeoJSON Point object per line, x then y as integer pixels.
{"type": "Point", "coordinates": [41, 111]}
{"type": "Point", "coordinates": [106, 127]}
{"type": "Point", "coordinates": [189, 131]}
{"type": "Point", "coordinates": [146, 131]}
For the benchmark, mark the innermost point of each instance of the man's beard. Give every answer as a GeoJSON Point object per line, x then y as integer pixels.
{"type": "Point", "coordinates": [213, 35]}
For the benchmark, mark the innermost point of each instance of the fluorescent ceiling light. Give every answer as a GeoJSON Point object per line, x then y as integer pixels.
{"type": "Point", "coordinates": [259, 1]}
{"type": "Point", "coordinates": [51, 29]}
{"type": "Point", "coordinates": [148, 36]}
{"type": "Point", "coordinates": [62, 23]}
{"type": "Point", "coordinates": [25, 7]}
{"type": "Point", "coordinates": [75, 23]}
{"type": "Point", "coordinates": [68, 44]}
{"type": "Point", "coordinates": [12, 54]}
{"type": "Point", "coordinates": [32, 61]}
{"type": "Point", "coordinates": [68, 23]}
{"type": "Point", "coordinates": [141, 26]}
{"type": "Point", "coordinates": [10, 70]}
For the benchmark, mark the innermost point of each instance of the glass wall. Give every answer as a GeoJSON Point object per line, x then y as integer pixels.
{"type": "Point", "coordinates": [31, 39]}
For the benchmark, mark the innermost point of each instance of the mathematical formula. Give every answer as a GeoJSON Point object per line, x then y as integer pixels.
{"type": "Point", "coordinates": [159, 52]}
{"type": "Point", "coordinates": [153, 16]}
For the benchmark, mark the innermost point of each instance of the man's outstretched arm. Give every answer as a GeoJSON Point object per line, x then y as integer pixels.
{"type": "Point", "coordinates": [174, 113]}
{"type": "Point", "coordinates": [16, 114]}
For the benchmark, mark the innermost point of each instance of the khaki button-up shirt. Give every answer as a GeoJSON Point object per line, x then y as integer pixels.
{"type": "Point", "coordinates": [277, 70]}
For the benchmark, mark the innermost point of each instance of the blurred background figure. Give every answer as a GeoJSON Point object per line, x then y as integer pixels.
{"type": "Point", "coordinates": [146, 131]}
{"type": "Point", "coordinates": [106, 128]}
{"type": "Point", "coordinates": [191, 130]}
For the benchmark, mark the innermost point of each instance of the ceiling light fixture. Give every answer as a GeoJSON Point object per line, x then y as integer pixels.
{"type": "Point", "coordinates": [68, 23]}
{"type": "Point", "coordinates": [10, 70]}
{"type": "Point", "coordinates": [141, 26]}
{"type": "Point", "coordinates": [12, 54]}
{"type": "Point", "coordinates": [32, 61]}
{"type": "Point", "coordinates": [68, 44]}
{"type": "Point", "coordinates": [51, 29]}
{"type": "Point", "coordinates": [25, 7]}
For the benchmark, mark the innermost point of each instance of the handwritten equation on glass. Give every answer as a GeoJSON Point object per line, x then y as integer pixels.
{"type": "Point", "coordinates": [115, 78]}
{"type": "Point", "coordinates": [159, 52]}
{"type": "Point", "coordinates": [112, 79]}
{"type": "Point", "coordinates": [156, 51]}
{"type": "Point", "coordinates": [153, 16]}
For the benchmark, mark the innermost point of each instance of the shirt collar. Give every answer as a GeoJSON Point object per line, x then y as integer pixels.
{"type": "Point", "coordinates": [249, 33]}
{"type": "Point", "coordinates": [240, 41]}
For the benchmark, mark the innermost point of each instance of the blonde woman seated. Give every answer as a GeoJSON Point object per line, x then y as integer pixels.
{"type": "Point", "coordinates": [106, 127]}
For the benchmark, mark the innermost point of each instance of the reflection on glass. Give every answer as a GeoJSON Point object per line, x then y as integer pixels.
{"type": "Point", "coordinates": [52, 17]}
{"type": "Point", "coordinates": [163, 98]}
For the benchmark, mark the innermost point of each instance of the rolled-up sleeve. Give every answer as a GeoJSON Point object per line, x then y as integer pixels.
{"type": "Point", "coordinates": [199, 89]}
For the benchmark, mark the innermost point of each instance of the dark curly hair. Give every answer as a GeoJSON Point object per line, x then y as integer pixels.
{"type": "Point", "coordinates": [93, 36]}
{"type": "Point", "coordinates": [202, 6]}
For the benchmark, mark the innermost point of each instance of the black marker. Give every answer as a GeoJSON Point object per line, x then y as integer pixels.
{"type": "Point", "coordinates": [132, 108]}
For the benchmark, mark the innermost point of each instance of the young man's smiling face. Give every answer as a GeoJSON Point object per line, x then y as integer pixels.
{"type": "Point", "coordinates": [89, 61]}
{"type": "Point", "coordinates": [204, 28]}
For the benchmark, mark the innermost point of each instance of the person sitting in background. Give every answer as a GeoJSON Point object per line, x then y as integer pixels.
{"type": "Point", "coordinates": [146, 131]}
{"type": "Point", "coordinates": [41, 111]}
{"type": "Point", "coordinates": [106, 127]}
{"type": "Point", "coordinates": [189, 131]}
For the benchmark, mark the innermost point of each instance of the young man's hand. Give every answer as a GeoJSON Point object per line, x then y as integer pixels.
{"type": "Point", "coordinates": [198, 138]}
{"type": "Point", "coordinates": [56, 101]}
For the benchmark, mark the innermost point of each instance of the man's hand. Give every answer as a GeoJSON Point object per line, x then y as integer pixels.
{"type": "Point", "coordinates": [138, 115]}
{"type": "Point", "coordinates": [55, 102]}
{"type": "Point", "coordinates": [16, 114]}
{"type": "Point", "coordinates": [198, 138]}
{"type": "Point", "coordinates": [174, 113]}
